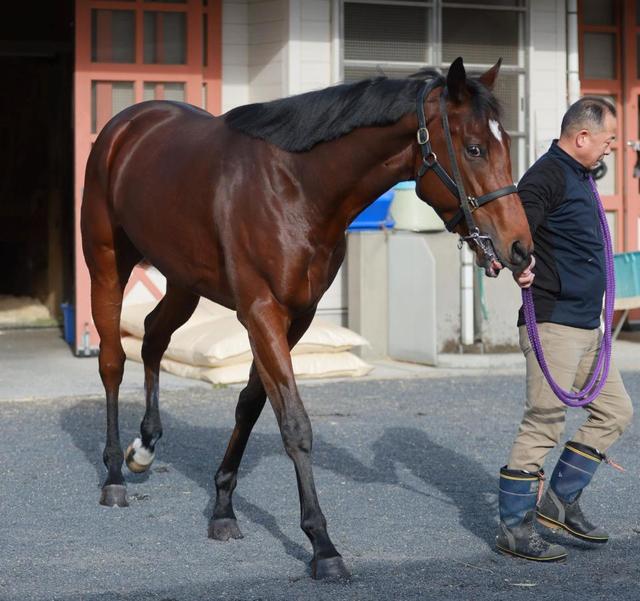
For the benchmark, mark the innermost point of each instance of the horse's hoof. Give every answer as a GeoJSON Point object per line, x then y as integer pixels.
{"type": "Point", "coordinates": [329, 568]}
{"type": "Point", "coordinates": [224, 529]}
{"type": "Point", "coordinates": [138, 458]}
{"type": "Point", "coordinates": [114, 495]}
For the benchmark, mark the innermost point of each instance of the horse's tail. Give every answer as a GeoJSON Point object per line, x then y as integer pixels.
{"type": "Point", "coordinates": [100, 232]}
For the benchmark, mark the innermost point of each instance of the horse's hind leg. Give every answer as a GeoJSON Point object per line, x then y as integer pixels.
{"type": "Point", "coordinates": [110, 257]}
{"type": "Point", "coordinates": [223, 524]}
{"type": "Point", "coordinates": [172, 311]}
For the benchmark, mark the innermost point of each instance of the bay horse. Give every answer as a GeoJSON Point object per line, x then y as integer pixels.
{"type": "Point", "coordinates": [250, 209]}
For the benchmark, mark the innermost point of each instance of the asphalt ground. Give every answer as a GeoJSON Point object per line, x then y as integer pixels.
{"type": "Point", "coordinates": [406, 472]}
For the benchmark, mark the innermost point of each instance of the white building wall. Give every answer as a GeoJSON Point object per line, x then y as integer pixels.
{"type": "Point", "coordinates": [547, 73]}
{"type": "Point", "coordinates": [309, 47]}
{"type": "Point", "coordinates": [268, 35]}
{"type": "Point", "coordinates": [235, 53]}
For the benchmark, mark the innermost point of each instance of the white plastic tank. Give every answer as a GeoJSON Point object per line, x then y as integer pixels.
{"type": "Point", "coordinates": [411, 213]}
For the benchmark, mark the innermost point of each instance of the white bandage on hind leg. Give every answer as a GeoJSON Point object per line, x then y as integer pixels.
{"type": "Point", "coordinates": [142, 455]}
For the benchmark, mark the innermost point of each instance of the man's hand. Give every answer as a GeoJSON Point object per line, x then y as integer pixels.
{"type": "Point", "coordinates": [525, 278]}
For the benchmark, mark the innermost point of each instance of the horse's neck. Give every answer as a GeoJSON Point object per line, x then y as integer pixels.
{"type": "Point", "coordinates": [359, 167]}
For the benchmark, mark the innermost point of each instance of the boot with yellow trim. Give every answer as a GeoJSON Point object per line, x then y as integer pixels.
{"type": "Point", "coordinates": [516, 533]}
{"type": "Point", "coordinates": [560, 506]}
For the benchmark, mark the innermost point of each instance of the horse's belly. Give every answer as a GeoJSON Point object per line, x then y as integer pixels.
{"type": "Point", "coordinates": [180, 244]}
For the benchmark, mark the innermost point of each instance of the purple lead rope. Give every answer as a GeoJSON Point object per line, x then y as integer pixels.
{"type": "Point", "coordinates": [601, 371]}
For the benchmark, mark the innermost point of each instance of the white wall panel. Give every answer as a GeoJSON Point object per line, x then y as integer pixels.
{"type": "Point", "coordinates": [547, 74]}
{"type": "Point", "coordinates": [235, 53]}
{"type": "Point", "coordinates": [316, 10]}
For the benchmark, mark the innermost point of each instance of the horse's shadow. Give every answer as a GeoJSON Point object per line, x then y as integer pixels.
{"type": "Point", "coordinates": [195, 450]}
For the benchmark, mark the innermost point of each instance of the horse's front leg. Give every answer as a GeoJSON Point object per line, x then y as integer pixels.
{"type": "Point", "coordinates": [268, 322]}
{"type": "Point", "coordinates": [223, 524]}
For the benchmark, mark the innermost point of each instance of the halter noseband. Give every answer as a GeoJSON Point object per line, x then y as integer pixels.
{"type": "Point", "coordinates": [468, 204]}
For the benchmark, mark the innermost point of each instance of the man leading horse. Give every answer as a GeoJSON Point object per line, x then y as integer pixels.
{"type": "Point", "coordinates": [568, 281]}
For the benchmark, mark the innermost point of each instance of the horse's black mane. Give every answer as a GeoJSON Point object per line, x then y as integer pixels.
{"type": "Point", "coordinates": [298, 123]}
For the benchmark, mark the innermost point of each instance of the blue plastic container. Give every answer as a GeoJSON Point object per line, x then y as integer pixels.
{"type": "Point", "coordinates": [69, 322]}
{"type": "Point", "coordinates": [411, 185]}
{"type": "Point", "coordinates": [627, 267]}
{"type": "Point", "coordinates": [375, 216]}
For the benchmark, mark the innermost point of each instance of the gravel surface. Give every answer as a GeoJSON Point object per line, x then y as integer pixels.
{"type": "Point", "coordinates": [406, 472]}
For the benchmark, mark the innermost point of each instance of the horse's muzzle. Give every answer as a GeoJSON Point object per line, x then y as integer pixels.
{"type": "Point", "coordinates": [520, 257]}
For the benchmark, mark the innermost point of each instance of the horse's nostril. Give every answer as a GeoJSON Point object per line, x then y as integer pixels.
{"type": "Point", "coordinates": [518, 253]}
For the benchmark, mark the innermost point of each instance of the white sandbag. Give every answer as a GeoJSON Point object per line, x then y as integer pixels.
{"type": "Point", "coordinates": [213, 337]}
{"type": "Point", "coordinates": [313, 365]}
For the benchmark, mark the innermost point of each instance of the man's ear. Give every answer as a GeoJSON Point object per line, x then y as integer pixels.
{"type": "Point", "coordinates": [581, 138]}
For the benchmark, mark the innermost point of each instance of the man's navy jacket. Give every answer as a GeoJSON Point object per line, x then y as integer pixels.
{"type": "Point", "coordinates": [568, 245]}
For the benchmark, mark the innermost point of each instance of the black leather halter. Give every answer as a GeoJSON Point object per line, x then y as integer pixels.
{"type": "Point", "coordinates": [468, 204]}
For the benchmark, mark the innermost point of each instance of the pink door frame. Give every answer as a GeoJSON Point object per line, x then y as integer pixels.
{"type": "Point", "coordinates": [202, 84]}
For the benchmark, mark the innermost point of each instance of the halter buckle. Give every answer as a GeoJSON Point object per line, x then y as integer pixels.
{"type": "Point", "coordinates": [422, 135]}
{"type": "Point", "coordinates": [473, 203]}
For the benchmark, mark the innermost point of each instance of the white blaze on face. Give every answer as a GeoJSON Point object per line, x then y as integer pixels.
{"type": "Point", "coordinates": [494, 126]}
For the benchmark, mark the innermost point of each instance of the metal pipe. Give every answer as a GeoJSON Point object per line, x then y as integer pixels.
{"type": "Point", "coordinates": [336, 41]}
{"type": "Point", "coordinates": [466, 296]}
{"type": "Point", "coordinates": [573, 63]}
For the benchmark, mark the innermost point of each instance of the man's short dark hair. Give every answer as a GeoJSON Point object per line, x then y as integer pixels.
{"type": "Point", "coordinates": [587, 113]}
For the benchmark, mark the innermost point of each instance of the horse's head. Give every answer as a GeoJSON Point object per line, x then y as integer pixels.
{"type": "Point", "coordinates": [467, 177]}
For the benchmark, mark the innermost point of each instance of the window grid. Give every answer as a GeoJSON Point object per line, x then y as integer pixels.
{"type": "Point", "coordinates": [493, 10]}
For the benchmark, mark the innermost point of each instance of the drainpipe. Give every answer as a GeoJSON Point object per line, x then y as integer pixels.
{"type": "Point", "coordinates": [466, 296]}
{"type": "Point", "coordinates": [336, 41]}
{"type": "Point", "coordinates": [573, 65]}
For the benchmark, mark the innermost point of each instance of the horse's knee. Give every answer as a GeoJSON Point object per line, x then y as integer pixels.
{"type": "Point", "coordinates": [111, 367]}
{"type": "Point", "coordinates": [226, 480]}
{"type": "Point", "coordinates": [297, 436]}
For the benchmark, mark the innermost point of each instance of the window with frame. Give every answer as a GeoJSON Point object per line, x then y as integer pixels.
{"type": "Point", "coordinates": [398, 37]}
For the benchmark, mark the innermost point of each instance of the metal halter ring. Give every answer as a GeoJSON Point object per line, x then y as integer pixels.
{"type": "Point", "coordinates": [430, 159]}
{"type": "Point", "coordinates": [423, 136]}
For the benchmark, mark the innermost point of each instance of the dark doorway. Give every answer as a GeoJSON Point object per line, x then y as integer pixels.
{"type": "Point", "coordinates": [36, 153]}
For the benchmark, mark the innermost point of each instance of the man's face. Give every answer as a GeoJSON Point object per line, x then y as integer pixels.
{"type": "Point", "coordinates": [594, 145]}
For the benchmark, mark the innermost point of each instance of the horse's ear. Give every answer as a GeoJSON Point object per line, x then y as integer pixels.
{"type": "Point", "coordinates": [456, 80]}
{"type": "Point", "coordinates": [489, 78]}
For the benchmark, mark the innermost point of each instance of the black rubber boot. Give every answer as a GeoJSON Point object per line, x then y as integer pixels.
{"type": "Point", "coordinates": [516, 533]}
{"type": "Point", "coordinates": [560, 506]}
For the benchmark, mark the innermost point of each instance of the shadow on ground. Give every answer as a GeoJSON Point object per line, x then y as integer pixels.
{"type": "Point", "coordinates": [195, 450]}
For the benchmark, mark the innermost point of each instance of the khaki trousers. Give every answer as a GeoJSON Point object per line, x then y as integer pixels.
{"type": "Point", "coordinates": [571, 354]}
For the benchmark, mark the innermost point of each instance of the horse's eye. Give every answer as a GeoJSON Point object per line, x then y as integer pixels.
{"type": "Point", "coordinates": [474, 150]}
